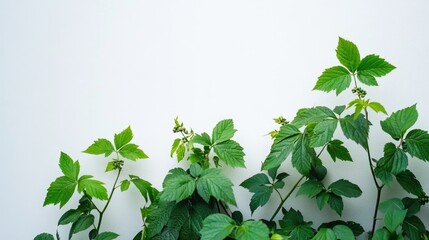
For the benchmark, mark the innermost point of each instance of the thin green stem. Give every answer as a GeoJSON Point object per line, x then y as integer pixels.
{"type": "Point", "coordinates": [284, 199]}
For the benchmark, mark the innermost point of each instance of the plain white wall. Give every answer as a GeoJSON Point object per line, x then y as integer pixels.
{"type": "Point", "coordinates": [74, 71]}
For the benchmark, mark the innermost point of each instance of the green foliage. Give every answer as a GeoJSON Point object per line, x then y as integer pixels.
{"type": "Point", "coordinates": [417, 142]}
{"type": "Point", "coordinates": [44, 236]}
{"type": "Point", "coordinates": [337, 150]}
{"type": "Point", "coordinates": [394, 213]}
{"type": "Point", "coordinates": [399, 122]}
{"type": "Point", "coordinates": [345, 188]}
{"type": "Point", "coordinates": [106, 236]}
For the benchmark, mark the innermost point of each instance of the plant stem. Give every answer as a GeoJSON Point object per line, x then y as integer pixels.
{"type": "Point", "coordinates": [108, 200]}
{"type": "Point", "coordinates": [284, 199]}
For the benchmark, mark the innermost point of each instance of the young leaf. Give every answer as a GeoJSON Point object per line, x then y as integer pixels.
{"type": "Point", "coordinates": [83, 223]}
{"type": "Point", "coordinates": [323, 132]}
{"type": "Point", "coordinates": [337, 150]}
{"type": "Point", "coordinates": [310, 188]}
{"type": "Point", "coordinates": [395, 160]}
{"type": "Point", "coordinates": [213, 183]}
{"type": "Point", "coordinates": [343, 232]}
{"type": "Point", "coordinates": [336, 203]}
{"type": "Point", "coordinates": [409, 183]}
{"type": "Point", "coordinates": [106, 236]}
{"type": "Point", "coordinates": [110, 166]}
{"type": "Point", "coordinates": [123, 138]}
{"type": "Point", "coordinates": [348, 54]}
{"type": "Point", "coordinates": [177, 187]}
{"type": "Point", "coordinates": [203, 139]}
{"type": "Point", "coordinates": [230, 152]}
{"type": "Point", "coordinates": [325, 234]}
{"type": "Point", "coordinates": [335, 78]}
{"type": "Point", "coordinates": [100, 146]}
{"type": "Point", "coordinates": [223, 131]}
{"type": "Point", "coordinates": [399, 122]}
{"type": "Point", "coordinates": [68, 167]}
{"type": "Point", "coordinates": [253, 230]}
{"type": "Point", "coordinates": [180, 152]}
{"type": "Point", "coordinates": [417, 142]}
{"type": "Point", "coordinates": [301, 156]}
{"type": "Point", "coordinates": [345, 188]}
{"type": "Point", "coordinates": [70, 216]}
{"type": "Point", "coordinates": [394, 213]}
{"type": "Point", "coordinates": [132, 152]}
{"type": "Point", "coordinates": [374, 65]}
{"type": "Point", "coordinates": [377, 107]}
{"type": "Point", "coordinates": [305, 116]}
{"type": "Point", "coordinates": [356, 129]}
{"type": "Point", "coordinates": [44, 236]}
{"type": "Point", "coordinates": [60, 191]}
{"type": "Point", "coordinates": [175, 146]}
{"type": "Point", "coordinates": [92, 187]}
{"type": "Point", "coordinates": [217, 226]}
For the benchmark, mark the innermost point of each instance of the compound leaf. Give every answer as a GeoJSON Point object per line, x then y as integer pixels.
{"type": "Point", "coordinates": [100, 146]}
{"type": "Point", "coordinates": [123, 138]}
{"type": "Point", "coordinates": [335, 78]}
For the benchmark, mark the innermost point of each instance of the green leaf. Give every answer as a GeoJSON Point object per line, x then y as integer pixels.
{"type": "Point", "coordinates": [323, 132]}
{"type": "Point", "coordinates": [213, 183]}
{"type": "Point", "coordinates": [203, 139]}
{"type": "Point", "coordinates": [395, 160]}
{"type": "Point", "coordinates": [177, 187]}
{"type": "Point", "coordinates": [375, 66]}
{"type": "Point", "coordinates": [175, 146]}
{"type": "Point", "coordinates": [196, 170]}
{"type": "Point", "coordinates": [348, 54]}
{"type": "Point", "coordinates": [282, 147]}
{"type": "Point", "coordinates": [100, 146]}
{"type": "Point", "coordinates": [409, 183]}
{"type": "Point", "coordinates": [336, 203]}
{"type": "Point", "coordinates": [377, 107]}
{"type": "Point", "coordinates": [230, 152]}
{"type": "Point", "coordinates": [132, 152]}
{"type": "Point", "coordinates": [394, 213]}
{"type": "Point", "coordinates": [337, 150]}
{"type": "Point", "coordinates": [92, 187]}
{"type": "Point", "coordinates": [125, 184]}
{"type": "Point", "coordinates": [335, 78]}
{"type": "Point", "coordinates": [381, 234]}
{"type": "Point", "coordinates": [321, 199]}
{"type": "Point", "coordinates": [310, 188]}
{"type": "Point", "coordinates": [159, 215]}
{"type": "Point", "coordinates": [413, 227]}
{"type": "Point", "coordinates": [339, 109]}
{"type": "Point", "coordinates": [44, 236]}
{"type": "Point", "coordinates": [399, 122]}
{"type": "Point", "coordinates": [223, 131]}
{"type": "Point", "coordinates": [260, 198]}
{"type": "Point", "coordinates": [356, 129]}
{"type": "Point", "coordinates": [305, 116]}
{"type": "Point", "coordinates": [325, 234]}
{"type": "Point", "coordinates": [253, 230]}
{"type": "Point", "coordinates": [68, 167]}
{"type": "Point", "coordinates": [217, 226]}
{"type": "Point", "coordinates": [110, 166]}
{"type": "Point", "coordinates": [106, 236]}
{"type": "Point", "coordinates": [384, 175]}
{"type": "Point", "coordinates": [367, 79]}
{"type": "Point", "coordinates": [301, 156]}
{"type": "Point", "coordinates": [417, 142]}
{"type": "Point", "coordinates": [123, 138]}
{"type": "Point", "coordinates": [60, 191]}
{"type": "Point", "coordinates": [83, 223]}
{"type": "Point", "coordinates": [343, 232]}
{"type": "Point", "coordinates": [345, 188]}
{"type": "Point", "coordinates": [302, 232]}
{"type": "Point", "coordinates": [70, 216]}
{"type": "Point", "coordinates": [180, 152]}
{"type": "Point", "coordinates": [253, 183]}
{"type": "Point", "coordinates": [144, 187]}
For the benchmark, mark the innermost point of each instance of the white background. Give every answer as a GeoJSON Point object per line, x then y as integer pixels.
{"type": "Point", "coordinates": [75, 71]}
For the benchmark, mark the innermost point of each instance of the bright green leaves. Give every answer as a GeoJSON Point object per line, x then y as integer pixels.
{"type": "Point", "coordinates": [345, 188]}
{"type": "Point", "coordinates": [106, 236]}
{"type": "Point", "coordinates": [100, 146]}
{"type": "Point", "coordinates": [394, 213]}
{"type": "Point", "coordinates": [335, 78]}
{"type": "Point", "coordinates": [338, 78]}
{"type": "Point", "coordinates": [123, 138]}
{"type": "Point", "coordinates": [317, 114]}
{"type": "Point", "coordinates": [323, 132]}
{"type": "Point", "coordinates": [62, 189]}
{"type": "Point", "coordinates": [343, 232]}
{"type": "Point", "coordinates": [348, 54]}
{"type": "Point", "coordinates": [122, 146]}
{"type": "Point", "coordinates": [361, 104]}
{"type": "Point", "coordinates": [92, 187]}
{"type": "Point", "coordinates": [293, 224]}
{"type": "Point", "coordinates": [212, 183]}
{"type": "Point", "coordinates": [262, 187]}
{"type": "Point", "coordinates": [302, 155]}
{"type": "Point", "coordinates": [220, 226]}
{"type": "Point", "coordinates": [375, 66]}
{"type": "Point", "coordinates": [356, 129]}
{"type": "Point", "coordinates": [395, 160]}
{"type": "Point", "coordinates": [310, 188]}
{"type": "Point", "coordinates": [44, 236]}
{"type": "Point", "coordinates": [230, 152]}
{"type": "Point", "coordinates": [177, 186]}
{"type": "Point", "coordinates": [203, 139]}
{"type": "Point", "coordinates": [84, 222]}
{"type": "Point", "coordinates": [336, 150]}
{"type": "Point", "coordinates": [417, 144]}
{"type": "Point", "coordinates": [325, 234]}
{"type": "Point", "coordinates": [223, 131]}
{"type": "Point", "coordinates": [399, 122]}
